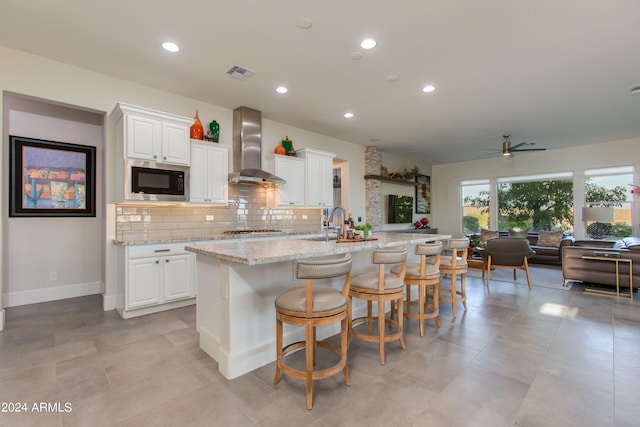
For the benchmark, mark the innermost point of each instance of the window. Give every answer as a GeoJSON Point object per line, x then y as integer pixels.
{"type": "Point", "coordinates": [612, 188]}
{"type": "Point", "coordinates": [536, 202]}
{"type": "Point", "coordinates": [475, 205]}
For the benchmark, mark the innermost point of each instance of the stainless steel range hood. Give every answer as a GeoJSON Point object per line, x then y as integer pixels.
{"type": "Point", "coordinates": [247, 149]}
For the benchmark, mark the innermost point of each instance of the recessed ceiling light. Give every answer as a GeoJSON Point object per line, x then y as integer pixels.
{"type": "Point", "coordinates": [428, 88]}
{"type": "Point", "coordinates": [368, 44]}
{"type": "Point", "coordinates": [305, 23]}
{"type": "Point", "coordinates": [282, 89]}
{"type": "Point", "coordinates": [170, 47]}
{"type": "Point", "coordinates": [392, 78]}
{"type": "Point", "coordinates": [355, 55]}
{"type": "Point", "coordinates": [348, 115]}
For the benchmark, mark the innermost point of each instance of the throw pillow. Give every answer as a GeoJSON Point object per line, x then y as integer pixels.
{"type": "Point", "coordinates": [487, 235]}
{"type": "Point", "coordinates": [550, 238]}
{"type": "Point", "coordinates": [518, 233]}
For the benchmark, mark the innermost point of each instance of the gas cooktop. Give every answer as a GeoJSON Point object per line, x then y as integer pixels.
{"type": "Point", "coordinates": [251, 231]}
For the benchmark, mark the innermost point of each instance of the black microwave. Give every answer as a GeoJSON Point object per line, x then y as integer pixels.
{"type": "Point", "coordinates": [156, 182]}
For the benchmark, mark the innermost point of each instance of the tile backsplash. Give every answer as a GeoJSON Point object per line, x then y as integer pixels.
{"type": "Point", "coordinates": [250, 207]}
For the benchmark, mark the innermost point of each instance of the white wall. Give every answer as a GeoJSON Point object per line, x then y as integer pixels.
{"type": "Point", "coordinates": [70, 249]}
{"type": "Point", "coordinates": [446, 179]}
{"type": "Point", "coordinates": [38, 77]}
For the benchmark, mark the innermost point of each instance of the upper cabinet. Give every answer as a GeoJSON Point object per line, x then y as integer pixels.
{"type": "Point", "coordinates": [209, 173]}
{"type": "Point", "coordinates": [153, 135]}
{"type": "Point", "coordinates": [319, 177]}
{"type": "Point", "coordinates": [291, 169]}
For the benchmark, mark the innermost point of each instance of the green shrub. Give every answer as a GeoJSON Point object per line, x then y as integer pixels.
{"type": "Point", "coordinates": [619, 229]}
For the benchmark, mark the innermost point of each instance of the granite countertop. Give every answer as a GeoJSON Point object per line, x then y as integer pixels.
{"type": "Point", "coordinates": [221, 237]}
{"type": "Point", "coordinates": [278, 250]}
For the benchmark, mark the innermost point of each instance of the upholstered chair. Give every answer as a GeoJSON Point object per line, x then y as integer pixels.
{"type": "Point", "coordinates": [508, 252]}
{"type": "Point", "coordinates": [381, 287]}
{"type": "Point", "coordinates": [455, 264]}
{"type": "Point", "coordinates": [311, 306]}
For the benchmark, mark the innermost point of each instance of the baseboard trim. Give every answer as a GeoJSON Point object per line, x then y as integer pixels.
{"type": "Point", "coordinates": [35, 296]}
{"type": "Point", "coordinates": [108, 302]}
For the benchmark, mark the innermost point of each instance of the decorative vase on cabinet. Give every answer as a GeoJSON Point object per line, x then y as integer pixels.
{"type": "Point", "coordinates": [197, 132]}
{"type": "Point", "coordinates": [214, 129]}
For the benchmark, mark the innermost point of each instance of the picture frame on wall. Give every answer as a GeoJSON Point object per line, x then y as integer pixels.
{"type": "Point", "coordinates": [423, 194]}
{"type": "Point", "coordinates": [51, 179]}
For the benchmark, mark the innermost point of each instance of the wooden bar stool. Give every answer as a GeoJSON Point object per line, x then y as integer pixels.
{"type": "Point", "coordinates": [312, 306]}
{"type": "Point", "coordinates": [455, 264]}
{"type": "Point", "coordinates": [381, 287]}
{"type": "Point", "coordinates": [426, 276]}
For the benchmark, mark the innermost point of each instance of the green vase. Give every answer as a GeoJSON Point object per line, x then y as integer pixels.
{"type": "Point", "coordinates": [287, 144]}
{"type": "Point", "coordinates": [214, 127]}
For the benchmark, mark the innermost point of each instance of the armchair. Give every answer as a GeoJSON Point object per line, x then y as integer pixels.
{"type": "Point", "coordinates": [508, 252]}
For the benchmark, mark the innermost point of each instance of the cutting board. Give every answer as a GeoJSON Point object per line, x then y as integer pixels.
{"type": "Point", "coordinates": [355, 240]}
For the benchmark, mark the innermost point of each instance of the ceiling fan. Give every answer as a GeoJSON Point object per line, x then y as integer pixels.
{"type": "Point", "coordinates": [508, 149]}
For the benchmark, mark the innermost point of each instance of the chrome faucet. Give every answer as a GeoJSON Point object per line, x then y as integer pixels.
{"type": "Point", "coordinates": [344, 218]}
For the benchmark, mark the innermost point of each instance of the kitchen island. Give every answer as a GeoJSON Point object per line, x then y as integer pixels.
{"type": "Point", "coordinates": [237, 283]}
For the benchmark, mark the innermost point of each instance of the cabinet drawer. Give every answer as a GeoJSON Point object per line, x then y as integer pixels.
{"type": "Point", "coordinates": [144, 251]}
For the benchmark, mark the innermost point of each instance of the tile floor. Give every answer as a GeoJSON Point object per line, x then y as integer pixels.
{"type": "Point", "coordinates": [516, 357]}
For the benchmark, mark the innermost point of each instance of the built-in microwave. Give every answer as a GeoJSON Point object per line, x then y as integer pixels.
{"type": "Point", "coordinates": [156, 182]}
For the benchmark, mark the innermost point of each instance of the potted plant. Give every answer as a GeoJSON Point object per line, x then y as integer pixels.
{"type": "Point", "coordinates": [366, 230]}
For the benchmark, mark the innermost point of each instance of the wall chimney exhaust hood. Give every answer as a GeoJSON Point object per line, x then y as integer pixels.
{"type": "Point", "coordinates": [247, 149]}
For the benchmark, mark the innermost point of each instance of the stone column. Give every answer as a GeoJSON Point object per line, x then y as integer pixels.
{"type": "Point", "coordinates": [373, 187]}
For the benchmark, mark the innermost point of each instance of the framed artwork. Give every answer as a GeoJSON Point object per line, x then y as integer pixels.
{"type": "Point", "coordinates": [400, 209]}
{"type": "Point", "coordinates": [423, 194]}
{"type": "Point", "coordinates": [49, 179]}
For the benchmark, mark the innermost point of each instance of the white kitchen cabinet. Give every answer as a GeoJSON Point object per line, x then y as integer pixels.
{"type": "Point", "coordinates": [153, 135]}
{"type": "Point", "coordinates": [178, 280]}
{"type": "Point", "coordinates": [154, 278]}
{"type": "Point", "coordinates": [319, 177]}
{"type": "Point", "coordinates": [209, 174]}
{"type": "Point", "coordinates": [291, 169]}
{"type": "Point", "coordinates": [143, 279]}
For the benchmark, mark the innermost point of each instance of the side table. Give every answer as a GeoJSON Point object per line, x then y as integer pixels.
{"type": "Point", "coordinates": [617, 261]}
{"type": "Point", "coordinates": [474, 260]}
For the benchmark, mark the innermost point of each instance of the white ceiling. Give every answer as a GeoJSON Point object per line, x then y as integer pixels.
{"type": "Point", "coordinates": [556, 73]}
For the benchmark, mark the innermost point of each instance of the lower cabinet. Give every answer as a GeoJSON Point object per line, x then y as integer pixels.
{"type": "Point", "coordinates": [155, 278]}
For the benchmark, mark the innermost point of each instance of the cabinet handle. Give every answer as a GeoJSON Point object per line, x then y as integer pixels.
{"type": "Point", "coordinates": [166, 260]}
{"type": "Point", "coordinates": [162, 250]}
{"type": "Point", "coordinates": [155, 157]}
{"type": "Point", "coordinates": [157, 261]}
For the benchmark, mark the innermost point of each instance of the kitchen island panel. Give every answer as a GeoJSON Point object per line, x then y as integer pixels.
{"type": "Point", "coordinates": [235, 300]}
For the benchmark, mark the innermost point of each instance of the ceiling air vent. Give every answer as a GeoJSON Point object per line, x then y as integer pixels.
{"type": "Point", "coordinates": [635, 90]}
{"type": "Point", "coordinates": [239, 72]}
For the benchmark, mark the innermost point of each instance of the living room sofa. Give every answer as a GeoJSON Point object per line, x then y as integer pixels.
{"type": "Point", "coordinates": [545, 254]}
{"type": "Point", "coordinates": [575, 268]}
